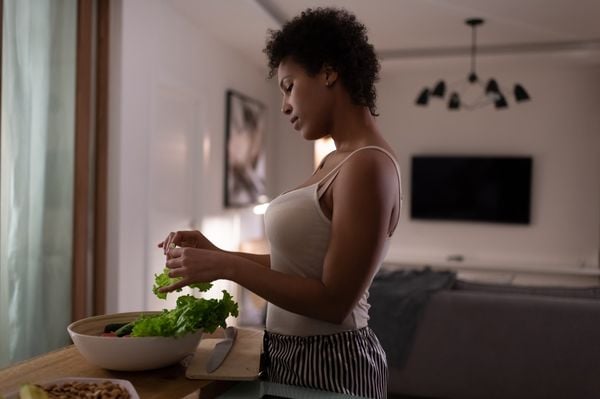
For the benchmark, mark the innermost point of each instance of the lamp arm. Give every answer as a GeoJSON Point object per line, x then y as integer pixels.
{"type": "Point", "coordinates": [473, 49]}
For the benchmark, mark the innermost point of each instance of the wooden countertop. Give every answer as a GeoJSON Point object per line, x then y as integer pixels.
{"type": "Point", "coordinates": [167, 383]}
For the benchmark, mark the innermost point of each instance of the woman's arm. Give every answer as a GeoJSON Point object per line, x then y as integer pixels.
{"type": "Point", "coordinates": [364, 195]}
{"type": "Point", "coordinates": [263, 260]}
{"type": "Point", "coordinates": [195, 239]}
{"type": "Point", "coordinates": [296, 294]}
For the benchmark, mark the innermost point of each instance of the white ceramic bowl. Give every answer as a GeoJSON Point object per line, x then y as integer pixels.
{"type": "Point", "coordinates": [128, 353]}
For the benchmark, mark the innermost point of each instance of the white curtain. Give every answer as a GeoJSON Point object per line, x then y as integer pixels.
{"type": "Point", "coordinates": [36, 175]}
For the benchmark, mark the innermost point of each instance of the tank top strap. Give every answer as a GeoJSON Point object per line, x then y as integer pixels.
{"type": "Point", "coordinates": [325, 158]}
{"type": "Point", "coordinates": [324, 184]}
{"type": "Point", "coordinates": [326, 181]}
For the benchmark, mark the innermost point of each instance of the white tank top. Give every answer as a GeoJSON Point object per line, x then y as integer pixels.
{"type": "Point", "coordinates": [298, 232]}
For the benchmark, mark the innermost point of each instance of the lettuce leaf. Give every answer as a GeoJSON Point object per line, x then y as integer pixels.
{"type": "Point", "coordinates": [163, 280]}
{"type": "Point", "coordinates": [190, 314]}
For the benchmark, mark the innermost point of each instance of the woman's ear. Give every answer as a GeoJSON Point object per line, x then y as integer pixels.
{"type": "Point", "coordinates": [330, 75]}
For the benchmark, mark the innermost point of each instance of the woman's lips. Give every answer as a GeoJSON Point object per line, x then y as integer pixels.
{"type": "Point", "coordinates": [295, 122]}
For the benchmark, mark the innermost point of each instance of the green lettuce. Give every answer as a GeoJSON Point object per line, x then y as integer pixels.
{"type": "Point", "coordinates": [163, 280]}
{"type": "Point", "coordinates": [190, 314]}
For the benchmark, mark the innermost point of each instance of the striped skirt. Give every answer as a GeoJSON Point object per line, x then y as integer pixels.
{"type": "Point", "coordinates": [350, 362]}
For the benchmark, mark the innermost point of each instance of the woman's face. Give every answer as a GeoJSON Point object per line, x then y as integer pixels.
{"type": "Point", "coordinates": [307, 100]}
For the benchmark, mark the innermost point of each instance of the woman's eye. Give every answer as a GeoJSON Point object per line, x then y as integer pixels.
{"type": "Point", "coordinates": [289, 88]}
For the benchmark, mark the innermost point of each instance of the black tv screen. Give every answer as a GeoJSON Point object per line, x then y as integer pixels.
{"type": "Point", "coordinates": [471, 188]}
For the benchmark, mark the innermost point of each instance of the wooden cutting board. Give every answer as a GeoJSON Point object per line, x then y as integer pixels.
{"type": "Point", "coordinates": [242, 363]}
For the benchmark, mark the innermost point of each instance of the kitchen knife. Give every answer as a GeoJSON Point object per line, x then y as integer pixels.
{"type": "Point", "coordinates": [221, 350]}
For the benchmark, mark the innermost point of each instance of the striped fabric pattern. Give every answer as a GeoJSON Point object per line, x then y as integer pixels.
{"type": "Point", "coordinates": [350, 362]}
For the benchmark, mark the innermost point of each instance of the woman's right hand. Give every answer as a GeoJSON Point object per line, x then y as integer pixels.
{"type": "Point", "coordinates": [186, 239]}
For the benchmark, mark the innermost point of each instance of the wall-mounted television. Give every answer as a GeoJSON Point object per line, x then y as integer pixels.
{"type": "Point", "coordinates": [493, 189]}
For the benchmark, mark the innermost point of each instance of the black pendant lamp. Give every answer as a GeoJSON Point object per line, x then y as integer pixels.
{"type": "Point", "coordinates": [492, 93]}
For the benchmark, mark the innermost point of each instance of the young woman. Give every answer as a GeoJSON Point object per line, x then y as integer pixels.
{"type": "Point", "coordinates": [329, 235]}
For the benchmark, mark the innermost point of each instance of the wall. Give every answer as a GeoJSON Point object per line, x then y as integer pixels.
{"type": "Point", "coordinates": [559, 128]}
{"type": "Point", "coordinates": [168, 80]}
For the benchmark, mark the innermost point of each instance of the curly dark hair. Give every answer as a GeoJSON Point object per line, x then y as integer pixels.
{"type": "Point", "coordinates": [333, 37]}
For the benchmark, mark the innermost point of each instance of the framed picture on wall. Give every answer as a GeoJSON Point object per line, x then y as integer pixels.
{"type": "Point", "coordinates": [245, 151]}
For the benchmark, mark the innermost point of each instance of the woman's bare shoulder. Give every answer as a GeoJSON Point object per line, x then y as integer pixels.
{"type": "Point", "coordinates": [374, 155]}
{"type": "Point", "coordinates": [369, 168]}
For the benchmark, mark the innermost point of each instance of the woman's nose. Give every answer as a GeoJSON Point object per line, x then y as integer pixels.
{"type": "Point", "coordinates": [286, 108]}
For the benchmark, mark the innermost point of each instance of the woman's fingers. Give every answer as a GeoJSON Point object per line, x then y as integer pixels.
{"type": "Point", "coordinates": [190, 265]}
{"type": "Point", "coordinates": [165, 243]}
{"type": "Point", "coordinates": [170, 242]}
{"type": "Point", "coordinates": [182, 239]}
{"type": "Point", "coordinates": [174, 252]}
{"type": "Point", "coordinates": [179, 284]}
{"type": "Point", "coordinates": [177, 272]}
{"type": "Point", "coordinates": [174, 263]}
{"type": "Point", "coordinates": [175, 239]}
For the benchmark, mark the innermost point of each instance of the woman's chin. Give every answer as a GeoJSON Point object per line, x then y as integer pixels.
{"type": "Point", "coordinates": [306, 134]}
{"type": "Point", "coordinates": [310, 134]}
{"type": "Point", "coordinates": [309, 137]}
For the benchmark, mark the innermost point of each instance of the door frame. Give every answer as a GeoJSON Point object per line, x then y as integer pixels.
{"type": "Point", "coordinates": [90, 169]}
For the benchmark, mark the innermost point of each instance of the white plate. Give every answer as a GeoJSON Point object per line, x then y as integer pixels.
{"type": "Point", "coordinates": [126, 385]}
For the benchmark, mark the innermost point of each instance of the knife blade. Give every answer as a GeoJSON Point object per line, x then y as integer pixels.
{"type": "Point", "coordinates": [221, 350]}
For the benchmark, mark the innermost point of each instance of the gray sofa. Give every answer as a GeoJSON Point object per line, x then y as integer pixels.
{"type": "Point", "coordinates": [483, 341]}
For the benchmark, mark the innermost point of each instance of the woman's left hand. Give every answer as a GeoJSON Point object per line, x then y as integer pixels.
{"type": "Point", "coordinates": [194, 265]}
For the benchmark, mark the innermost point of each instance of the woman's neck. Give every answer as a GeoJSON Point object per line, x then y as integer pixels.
{"type": "Point", "coordinates": [353, 127]}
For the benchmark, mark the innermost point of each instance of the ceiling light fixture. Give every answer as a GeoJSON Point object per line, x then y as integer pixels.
{"type": "Point", "coordinates": [459, 98]}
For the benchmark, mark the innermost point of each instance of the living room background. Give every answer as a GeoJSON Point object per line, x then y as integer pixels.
{"type": "Point", "coordinates": [157, 45]}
